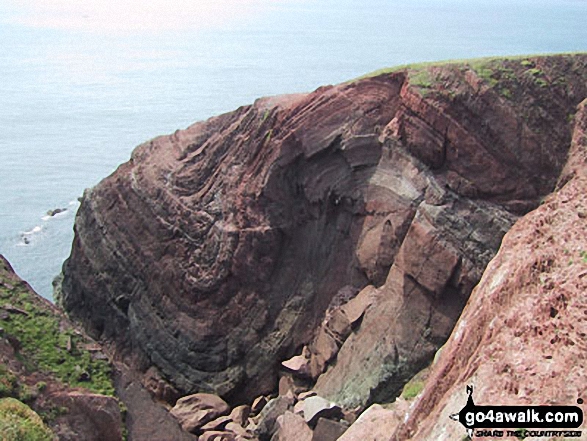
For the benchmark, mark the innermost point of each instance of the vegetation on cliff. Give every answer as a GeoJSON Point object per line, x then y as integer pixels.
{"type": "Point", "coordinates": [54, 368]}
{"type": "Point", "coordinates": [18, 422]}
{"type": "Point", "coordinates": [45, 343]}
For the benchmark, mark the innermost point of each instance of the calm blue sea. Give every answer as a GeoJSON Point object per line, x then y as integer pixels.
{"type": "Point", "coordinates": [81, 85]}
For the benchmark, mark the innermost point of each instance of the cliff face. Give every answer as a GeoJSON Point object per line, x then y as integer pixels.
{"type": "Point", "coordinates": [521, 338]}
{"type": "Point", "coordinates": [215, 252]}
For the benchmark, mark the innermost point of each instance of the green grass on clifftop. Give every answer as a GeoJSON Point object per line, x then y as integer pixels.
{"type": "Point", "coordinates": [473, 62]}
{"type": "Point", "coordinates": [499, 73]}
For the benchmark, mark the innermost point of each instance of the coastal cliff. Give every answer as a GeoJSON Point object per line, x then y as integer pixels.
{"type": "Point", "coordinates": [521, 338]}
{"type": "Point", "coordinates": [220, 251]}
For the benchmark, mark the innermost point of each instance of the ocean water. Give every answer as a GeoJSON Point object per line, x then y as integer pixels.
{"type": "Point", "coordinates": [82, 84]}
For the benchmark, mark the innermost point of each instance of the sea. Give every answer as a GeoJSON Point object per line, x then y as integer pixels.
{"type": "Point", "coordinates": [83, 83]}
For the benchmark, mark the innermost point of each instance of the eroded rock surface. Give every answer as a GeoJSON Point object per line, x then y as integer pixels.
{"type": "Point", "coordinates": [215, 252]}
{"type": "Point", "coordinates": [521, 338]}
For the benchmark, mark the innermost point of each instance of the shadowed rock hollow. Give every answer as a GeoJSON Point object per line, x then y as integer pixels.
{"type": "Point", "coordinates": [215, 252]}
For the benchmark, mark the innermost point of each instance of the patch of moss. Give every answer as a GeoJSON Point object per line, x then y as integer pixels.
{"type": "Point", "coordinates": [18, 422]}
{"type": "Point", "coordinates": [412, 389]}
{"type": "Point", "coordinates": [48, 347]}
{"type": "Point", "coordinates": [538, 76]}
{"type": "Point", "coordinates": [506, 93]}
{"type": "Point", "coordinates": [421, 78]}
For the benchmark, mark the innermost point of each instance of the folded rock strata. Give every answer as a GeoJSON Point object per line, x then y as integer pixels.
{"type": "Point", "coordinates": [521, 338]}
{"type": "Point", "coordinates": [215, 253]}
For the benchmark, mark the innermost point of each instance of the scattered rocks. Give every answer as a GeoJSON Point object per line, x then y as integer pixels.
{"type": "Point", "coordinates": [56, 211]}
{"type": "Point", "coordinates": [239, 430]}
{"type": "Point", "coordinates": [194, 411]}
{"type": "Point", "coordinates": [268, 416]}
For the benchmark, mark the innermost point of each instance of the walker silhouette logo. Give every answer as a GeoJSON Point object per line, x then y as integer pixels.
{"type": "Point", "coordinates": [475, 417]}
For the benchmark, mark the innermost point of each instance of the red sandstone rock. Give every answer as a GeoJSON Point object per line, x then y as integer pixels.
{"type": "Point", "coordinates": [240, 414]}
{"type": "Point", "coordinates": [521, 337]}
{"type": "Point", "coordinates": [160, 389]}
{"type": "Point", "coordinates": [356, 307]}
{"type": "Point", "coordinates": [374, 424]}
{"type": "Point", "coordinates": [328, 430]}
{"type": "Point", "coordinates": [297, 364]}
{"type": "Point", "coordinates": [291, 427]}
{"type": "Point", "coordinates": [194, 411]}
{"type": "Point", "coordinates": [216, 424]}
{"type": "Point", "coordinates": [218, 249]}
{"type": "Point", "coordinates": [89, 416]}
{"type": "Point", "coordinates": [268, 416]}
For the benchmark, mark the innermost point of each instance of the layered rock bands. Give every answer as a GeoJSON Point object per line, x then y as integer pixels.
{"type": "Point", "coordinates": [215, 253]}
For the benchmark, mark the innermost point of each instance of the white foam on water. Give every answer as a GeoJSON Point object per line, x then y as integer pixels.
{"type": "Point", "coordinates": [35, 230]}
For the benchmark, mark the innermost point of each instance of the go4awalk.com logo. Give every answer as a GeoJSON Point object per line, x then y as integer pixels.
{"type": "Point", "coordinates": [538, 421]}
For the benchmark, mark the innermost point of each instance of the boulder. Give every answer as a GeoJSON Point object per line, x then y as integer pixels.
{"type": "Point", "coordinates": [299, 408]}
{"type": "Point", "coordinates": [324, 348]}
{"type": "Point", "coordinates": [89, 416]}
{"type": "Point", "coordinates": [216, 424]}
{"type": "Point", "coordinates": [374, 424]}
{"type": "Point", "coordinates": [306, 394]}
{"type": "Point", "coordinates": [298, 364]}
{"type": "Point", "coordinates": [286, 386]}
{"type": "Point", "coordinates": [194, 411]}
{"type": "Point", "coordinates": [291, 427]}
{"type": "Point", "coordinates": [317, 407]}
{"type": "Point", "coordinates": [328, 430]}
{"type": "Point", "coordinates": [356, 307]}
{"type": "Point", "coordinates": [240, 414]}
{"type": "Point", "coordinates": [268, 416]}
